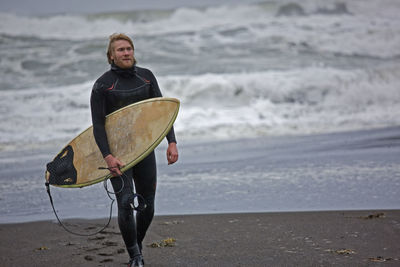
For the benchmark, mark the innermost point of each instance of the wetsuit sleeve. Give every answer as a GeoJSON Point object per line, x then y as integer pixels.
{"type": "Point", "coordinates": [157, 93]}
{"type": "Point", "coordinates": [98, 109]}
{"type": "Point", "coordinates": [171, 136]}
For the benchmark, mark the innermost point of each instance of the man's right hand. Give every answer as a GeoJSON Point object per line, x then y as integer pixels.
{"type": "Point", "coordinates": [114, 165]}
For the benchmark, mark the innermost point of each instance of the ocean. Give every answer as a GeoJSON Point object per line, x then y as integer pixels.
{"type": "Point", "coordinates": [244, 71]}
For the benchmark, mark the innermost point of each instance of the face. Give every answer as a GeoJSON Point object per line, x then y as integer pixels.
{"type": "Point", "coordinates": [122, 54]}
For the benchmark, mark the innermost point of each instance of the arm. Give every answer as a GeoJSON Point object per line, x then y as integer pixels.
{"type": "Point", "coordinates": [172, 151]}
{"type": "Point", "coordinates": [98, 109]}
{"type": "Point", "coordinates": [157, 93]}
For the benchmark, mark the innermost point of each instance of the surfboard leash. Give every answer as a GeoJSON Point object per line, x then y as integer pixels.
{"type": "Point", "coordinates": [139, 207]}
{"type": "Point", "coordinates": [65, 227]}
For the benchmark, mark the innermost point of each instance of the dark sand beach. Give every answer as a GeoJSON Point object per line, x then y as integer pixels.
{"type": "Point", "coordinates": [334, 238]}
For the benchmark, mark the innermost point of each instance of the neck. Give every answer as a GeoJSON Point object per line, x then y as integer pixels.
{"type": "Point", "coordinates": [129, 71]}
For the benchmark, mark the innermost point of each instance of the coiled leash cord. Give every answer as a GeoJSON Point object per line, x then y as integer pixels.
{"type": "Point", "coordinates": [109, 193]}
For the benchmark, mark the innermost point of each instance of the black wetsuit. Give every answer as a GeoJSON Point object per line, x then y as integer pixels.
{"type": "Point", "coordinates": [113, 90]}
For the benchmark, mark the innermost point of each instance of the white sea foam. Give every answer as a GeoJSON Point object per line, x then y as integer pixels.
{"type": "Point", "coordinates": [37, 115]}
{"type": "Point", "coordinates": [310, 100]}
{"type": "Point", "coordinates": [285, 102]}
{"type": "Point", "coordinates": [240, 71]}
{"type": "Point", "coordinates": [352, 32]}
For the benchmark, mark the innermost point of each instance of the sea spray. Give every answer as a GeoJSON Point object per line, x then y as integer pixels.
{"type": "Point", "coordinates": [253, 71]}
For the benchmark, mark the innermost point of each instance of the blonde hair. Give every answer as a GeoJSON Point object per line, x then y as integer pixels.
{"type": "Point", "coordinates": [116, 37]}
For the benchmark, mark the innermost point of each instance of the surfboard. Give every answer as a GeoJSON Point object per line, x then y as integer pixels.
{"type": "Point", "coordinates": [133, 132]}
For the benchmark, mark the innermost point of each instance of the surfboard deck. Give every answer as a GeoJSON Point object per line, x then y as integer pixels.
{"type": "Point", "coordinates": [133, 132]}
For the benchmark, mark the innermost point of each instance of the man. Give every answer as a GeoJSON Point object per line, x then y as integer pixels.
{"type": "Point", "coordinates": [124, 84]}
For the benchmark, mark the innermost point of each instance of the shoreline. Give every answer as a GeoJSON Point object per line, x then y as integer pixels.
{"type": "Point", "coordinates": [321, 238]}
{"type": "Point", "coordinates": [100, 219]}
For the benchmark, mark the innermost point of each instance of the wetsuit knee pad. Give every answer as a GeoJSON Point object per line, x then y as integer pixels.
{"type": "Point", "coordinates": [125, 201]}
{"type": "Point", "coordinates": [149, 200]}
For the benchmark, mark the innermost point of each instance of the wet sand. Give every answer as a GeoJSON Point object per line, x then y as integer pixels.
{"type": "Point", "coordinates": [330, 238]}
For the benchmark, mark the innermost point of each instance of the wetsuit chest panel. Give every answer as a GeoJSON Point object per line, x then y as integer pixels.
{"type": "Point", "coordinates": [125, 92]}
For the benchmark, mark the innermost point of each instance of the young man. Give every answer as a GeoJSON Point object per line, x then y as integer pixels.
{"type": "Point", "coordinates": [124, 84]}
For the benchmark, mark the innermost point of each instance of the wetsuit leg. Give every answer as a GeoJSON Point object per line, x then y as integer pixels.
{"type": "Point", "coordinates": [145, 177]}
{"type": "Point", "coordinates": [126, 220]}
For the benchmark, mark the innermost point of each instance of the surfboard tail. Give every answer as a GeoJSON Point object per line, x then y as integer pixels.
{"type": "Point", "coordinates": [61, 171]}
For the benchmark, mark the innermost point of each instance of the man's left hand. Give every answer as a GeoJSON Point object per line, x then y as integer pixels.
{"type": "Point", "coordinates": [172, 153]}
